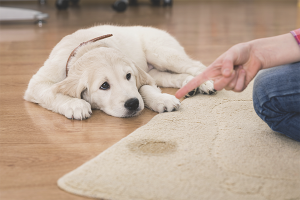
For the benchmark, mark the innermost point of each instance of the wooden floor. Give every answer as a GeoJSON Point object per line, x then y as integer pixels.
{"type": "Point", "coordinates": [37, 146]}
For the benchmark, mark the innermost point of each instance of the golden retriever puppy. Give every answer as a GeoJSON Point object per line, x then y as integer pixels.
{"type": "Point", "coordinates": [118, 75]}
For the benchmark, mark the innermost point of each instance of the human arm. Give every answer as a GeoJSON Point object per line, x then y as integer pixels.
{"type": "Point", "coordinates": [235, 68]}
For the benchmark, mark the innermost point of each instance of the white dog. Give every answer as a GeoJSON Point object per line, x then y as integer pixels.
{"type": "Point", "coordinates": [118, 75]}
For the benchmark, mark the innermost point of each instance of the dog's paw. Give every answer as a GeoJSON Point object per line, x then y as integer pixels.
{"type": "Point", "coordinates": [165, 103]}
{"type": "Point", "coordinates": [194, 91]}
{"type": "Point", "coordinates": [207, 88]}
{"type": "Point", "coordinates": [76, 109]}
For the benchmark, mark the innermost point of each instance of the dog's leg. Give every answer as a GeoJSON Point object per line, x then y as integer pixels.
{"type": "Point", "coordinates": [157, 101]}
{"type": "Point", "coordinates": [176, 60]}
{"type": "Point", "coordinates": [44, 94]}
{"type": "Point", "coordinates": [167, 79]}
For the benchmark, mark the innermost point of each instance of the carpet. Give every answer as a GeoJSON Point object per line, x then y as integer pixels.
{"type": "Point", "coordinates": [214, 147]}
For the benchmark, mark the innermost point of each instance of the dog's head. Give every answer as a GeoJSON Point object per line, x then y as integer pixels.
{"type": "Point", "coordinates": [108, 80]}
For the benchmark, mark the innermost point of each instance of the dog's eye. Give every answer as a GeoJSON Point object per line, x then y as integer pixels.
{"type": "Point", "coordinates": [105, 86]}
{"type": "Point", "coordinates": [128, 76]}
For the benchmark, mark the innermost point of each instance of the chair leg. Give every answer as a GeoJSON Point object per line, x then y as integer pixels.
{"type": "Point", "coordinates": [168, 3]}
{"type": "Point", "coordinates": [133, 2]}
{"type": "Point", "coordinates": [120, 5]}
{"type": "Point", "coordinates": [62, 4]}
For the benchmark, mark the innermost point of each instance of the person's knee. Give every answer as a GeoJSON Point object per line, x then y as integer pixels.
{"type": "Point", "coordinates": [278, 120]}
{"type": "Point", "coordinates": [260, 92]}
{"type": "Point", "coordinates": [268, 83]}
{"type": "Point", "coordinates": [274, 101]}
{"type": "Point", "coordinates": [266, 109]}
{"type": "Point", "coordinates": [261, 78]}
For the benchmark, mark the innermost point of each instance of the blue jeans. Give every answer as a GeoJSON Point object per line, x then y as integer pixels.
{"type": "Point", "coordinates": [276, 98]}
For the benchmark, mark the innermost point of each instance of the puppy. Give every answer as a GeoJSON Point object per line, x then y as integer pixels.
{"type": "Point", "coordinates": [118, 75]}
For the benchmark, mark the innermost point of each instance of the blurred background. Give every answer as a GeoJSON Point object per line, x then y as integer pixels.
{"type": "Point", "coordinates": [203, 24]}
{"type": "Point", "coordinates": [38, 146]}
{"type": "Point", "coordinates": [204, 27]}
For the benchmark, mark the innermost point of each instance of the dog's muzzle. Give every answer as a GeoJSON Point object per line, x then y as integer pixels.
{"type": "Point", "coordinates": [132, 104]}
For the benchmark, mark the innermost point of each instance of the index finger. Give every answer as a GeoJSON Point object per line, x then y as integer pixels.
{"type": "Point", "coordinates": [208, 74]}
{"type": "Point", "coordinates": [195, 82]}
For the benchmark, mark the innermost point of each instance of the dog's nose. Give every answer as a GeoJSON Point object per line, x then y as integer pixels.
{"type": "Point", "coordinates": [132, 104]}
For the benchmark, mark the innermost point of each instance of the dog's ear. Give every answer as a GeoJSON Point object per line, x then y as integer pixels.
{"type": "Point", "coordinates": [142, 77]}
{"type": "Point", "coordinates": [71, 86]}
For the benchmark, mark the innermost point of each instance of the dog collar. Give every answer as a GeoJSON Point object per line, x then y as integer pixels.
{"type": "Point", "coordinates": [84, 43]}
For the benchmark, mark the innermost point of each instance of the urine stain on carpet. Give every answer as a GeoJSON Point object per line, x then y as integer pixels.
{"type": "Point", "coordinates": [153, 147]}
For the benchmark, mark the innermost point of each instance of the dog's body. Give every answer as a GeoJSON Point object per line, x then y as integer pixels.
{"type": "Point", "coordinates": [117, 75]}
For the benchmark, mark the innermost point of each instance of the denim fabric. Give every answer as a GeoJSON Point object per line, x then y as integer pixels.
{"type": "Point", "coordinates": [276, 98]}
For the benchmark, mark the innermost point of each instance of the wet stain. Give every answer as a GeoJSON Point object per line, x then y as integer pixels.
{"type": "Point", "coordinates": [153, 147]}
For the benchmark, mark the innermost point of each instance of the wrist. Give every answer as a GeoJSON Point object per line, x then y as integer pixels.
{"type": "Point", "coordinates": [258, 53]}
{"type": "Point", "coordinates": [275, 51]}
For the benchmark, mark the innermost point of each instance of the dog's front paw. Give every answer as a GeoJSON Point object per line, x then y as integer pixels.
{"type": "Point", "coordinates": [76, 109]}
{"type": "Point", "coordinates": [165, 103]}
{"type": "Point", "coordinates": [194, 91]}
{"type": "Point", "coordinates": [207, 88]}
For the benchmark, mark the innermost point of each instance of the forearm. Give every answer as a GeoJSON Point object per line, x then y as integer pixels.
{"type": "Point", "coordinates": [275, 51]}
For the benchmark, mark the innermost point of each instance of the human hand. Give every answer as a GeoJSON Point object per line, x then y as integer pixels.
{"type": "Point", "coordinates": [233, 70]}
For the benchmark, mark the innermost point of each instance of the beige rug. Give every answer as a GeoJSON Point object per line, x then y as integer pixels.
{"type": "Point", "coordinates": [215, 147]}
